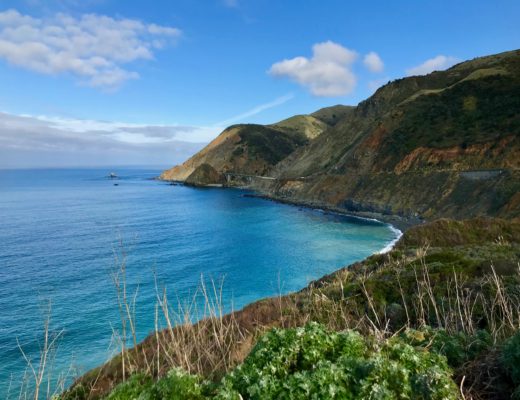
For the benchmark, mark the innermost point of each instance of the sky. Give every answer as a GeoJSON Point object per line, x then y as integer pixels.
{"type": "Point", "coordinates": [112, 82]}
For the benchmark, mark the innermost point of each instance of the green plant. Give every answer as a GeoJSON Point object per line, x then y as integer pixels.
{"type": "Point", "coordinates": [510, 359]}
{"type": "Point", "coordinates": [179, 385]}
{"type": "Point", "coordinates": [176, 385]}
{"type": "Point", "coordinates": [313, 362]}
{"type": "Point", "coordinates": [136, 387]}
{"type": "Point", "coordinates": [458, 347]}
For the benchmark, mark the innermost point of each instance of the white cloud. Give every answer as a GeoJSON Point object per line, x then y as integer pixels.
{"type": "Point", "coordinates": [93, 48]}
{"type": "Point", "coordinates": [256, 110]}
{"type": "Point", "coordinates": [27, 140]}
{"type": "Point", "coordinates": [328, 73]}
{"type": "Point", "coordinates": [373, 62]}
{"type": "Point", "coordinates": [437, 63]}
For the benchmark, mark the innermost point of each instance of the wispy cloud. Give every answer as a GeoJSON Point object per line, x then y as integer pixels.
{"type": "Point", "coordinates": [256, 110]}
{"type": "Point", "coordinates": [437, 63]}
{"type": "Point", "coordinates": [93, 48]}
{"type": "Point", "coordinates": [27, 140]}
{"type": "Point", "coordinates": [327, 73]}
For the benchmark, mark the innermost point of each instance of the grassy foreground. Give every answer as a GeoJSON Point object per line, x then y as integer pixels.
{"type": "Point", "coordinates": [436, 318]}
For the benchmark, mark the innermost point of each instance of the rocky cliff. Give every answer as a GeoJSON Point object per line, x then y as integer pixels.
{"type": "Point", "coordinates": [442, 145]}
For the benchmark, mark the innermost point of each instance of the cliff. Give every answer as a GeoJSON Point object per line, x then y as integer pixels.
{"type": "Point", "coordinates": [442, 145]}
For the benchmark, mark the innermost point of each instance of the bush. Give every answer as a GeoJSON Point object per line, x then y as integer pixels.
{"type": "Point", "coordinates": [458, 348]}
{"type": "Point", "coordinates": [313, 362]}
{"type": "Point", "coordinates": [136, 387]}
{"type": "Point", "coordinates": [510, 360]}
{"type": "Point", "coordinates": [177, 385]}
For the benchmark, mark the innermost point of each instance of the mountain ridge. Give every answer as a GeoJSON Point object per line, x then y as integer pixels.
{"type": "Point", "coordinates": [446, 144]}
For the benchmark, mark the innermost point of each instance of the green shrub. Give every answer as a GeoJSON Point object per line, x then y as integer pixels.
{"type": "Point", "coordinates": [312, 362]}
{"type": "Point", "coordinates": [458, 348]}
{"type": "Point", "coordinates": [510, 359]}
{"type": "Point", "coordinates": [177, 385]}
{"type": "Point", "coordinates": [136, 387]}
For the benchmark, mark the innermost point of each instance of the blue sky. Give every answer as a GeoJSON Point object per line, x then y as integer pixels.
{"type": "Point", "coordinates": [99, 82]}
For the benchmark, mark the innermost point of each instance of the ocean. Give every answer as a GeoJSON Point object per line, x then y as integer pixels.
{"type": "Point", "coordinates": [63, 233]}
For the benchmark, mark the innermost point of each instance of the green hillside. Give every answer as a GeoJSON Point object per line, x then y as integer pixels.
{"type": "Point", "coordinates": [445, 144]}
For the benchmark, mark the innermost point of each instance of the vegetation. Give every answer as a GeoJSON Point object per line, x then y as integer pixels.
{"type": "Point", "coordinates": [437, 321]}
{"type": "Point", "coordinates": [437, 317]}
{"type": "Point", "coordinates": [471, 112]}
{"type": "Point", "coordinates": [268, 144]}
{"type": "Point", "coordinates": [423, 147]}
{"type": "Point", "coordinates": [510, 360]}
{"type": "Point", "coordinates": [312, 362]}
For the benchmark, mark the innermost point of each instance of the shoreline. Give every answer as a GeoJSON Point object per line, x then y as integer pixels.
{"type": "Point", "coordinates": [401, 223]}
{"type": "Point", "coordinates": [261, 307]}
{"type": "Point", "coordinates": [398, 230]}
{"type": "Point", "coordinates": [396, 223]}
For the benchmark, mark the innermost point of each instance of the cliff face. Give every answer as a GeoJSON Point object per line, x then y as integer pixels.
{"type": "Point", "coordinates": [445, 144]}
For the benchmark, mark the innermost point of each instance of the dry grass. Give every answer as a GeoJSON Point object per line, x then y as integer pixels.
{"type": "Point", "coordinates": [40, 379]}
{"type": "Point", "coordinates": [198, 336]}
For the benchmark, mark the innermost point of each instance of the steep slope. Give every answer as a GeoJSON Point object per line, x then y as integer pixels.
{"type": "Point", "coordinates": [244, 149]}
{"type": "Point", "coordinates": [442, 145]}
{"type": "Point", "coordinates": [445, 144]}
{"type": "Point", "coordinates": [251, 149]}
{"type": "Point", "coordinates": [453, 282]}
{"type": "Point", "coordinates": [308, 125]}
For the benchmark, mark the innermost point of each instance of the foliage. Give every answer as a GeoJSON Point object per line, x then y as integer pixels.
{"type": "Point", "coordinates": [312, 362]}
{"type": "Point", "coordinates": [136, 387]}
{"type": "Point", "coordinates": [458, 347]}
{"type": "Point", "coordinates": [177, 385]}
{"type": "Point", "coordinates": [511, 361]}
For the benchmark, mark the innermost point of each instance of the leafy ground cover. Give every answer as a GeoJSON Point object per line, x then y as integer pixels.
{"type": "Point", "coordinates": [312, 362]}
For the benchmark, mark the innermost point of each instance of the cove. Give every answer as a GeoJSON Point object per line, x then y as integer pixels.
{"type": "Point", "coordinates": [62, 230]}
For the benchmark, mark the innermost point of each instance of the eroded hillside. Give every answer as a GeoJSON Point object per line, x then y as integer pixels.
{"type": "Point", "coordinates": [442, 145]}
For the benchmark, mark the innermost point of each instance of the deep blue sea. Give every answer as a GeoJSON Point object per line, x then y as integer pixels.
{"type": "Point", "coordinates": [61, 230]}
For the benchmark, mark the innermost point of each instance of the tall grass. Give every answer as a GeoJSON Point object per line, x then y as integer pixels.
{"type": "Point", "coordinates": [39, 379]}
{"type": "Point", "coordinates": [197, 335]}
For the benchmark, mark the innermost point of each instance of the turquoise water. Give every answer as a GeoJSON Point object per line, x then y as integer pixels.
{"type": "Point", "coordinates": [60, 231]}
